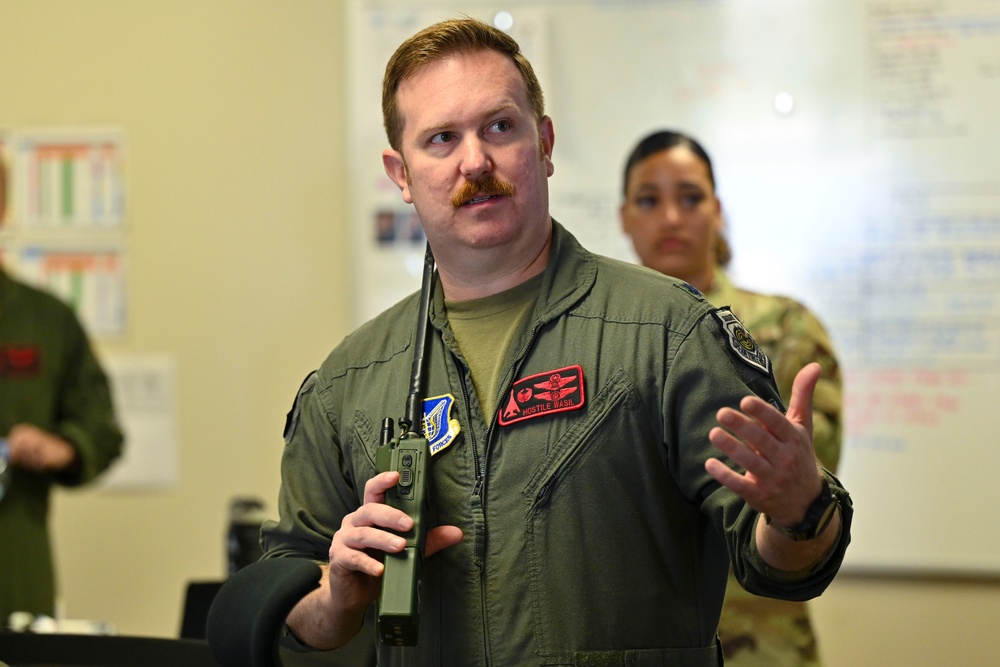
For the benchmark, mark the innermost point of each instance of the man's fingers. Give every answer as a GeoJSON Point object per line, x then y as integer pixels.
{"type": "Point", "coordinates": [362, 533]}
{"type": "Point", "coordinates": [380, 515]}
{"type": "Point", "coordinates": [778, 425]}
{"type": "Point", "coordinates": [742, 454]}
{"type": "Point", "coordinates": [368, 530]}
{"type": "Point", "coordinates": [800, 406]}
{"type": "Point", "coordinates": [351, 560]}
{"type": "Point", "coordinates": [376, 487]}
{"type": "Point", "coordinates": [729, 478]}
{"type": "Point", "coordinates": [371, 537]}
{"type": "Point", "coordinates": [442, 537]}
{"type": "Point", "coordinates": [369, 526]}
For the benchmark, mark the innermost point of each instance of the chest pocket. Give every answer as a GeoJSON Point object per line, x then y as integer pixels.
{"type": "Point", "coordinates": [605, 503]}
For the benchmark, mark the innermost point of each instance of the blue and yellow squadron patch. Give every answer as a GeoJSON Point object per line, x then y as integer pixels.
{"type": "Point", "coordinates": [439, 428]}
{"type": "Point", "coordinates": [741, 342]}
{"type": "Point", "coordinates": [543, 394]}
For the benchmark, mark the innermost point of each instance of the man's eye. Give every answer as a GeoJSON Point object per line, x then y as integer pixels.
{"type": "Point", "coordinates": [442, 137]}
{"type": "Point", "coordinates": [501, 126]}
{"type": "Point", "coordinates": [645, 202]}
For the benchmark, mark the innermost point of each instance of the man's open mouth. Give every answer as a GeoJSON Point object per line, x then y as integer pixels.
{"type": "Point", "coordinates": [480, 199]}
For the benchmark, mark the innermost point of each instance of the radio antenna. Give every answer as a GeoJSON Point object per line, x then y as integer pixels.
{"type": "Point", "coordinates": [415, 400]}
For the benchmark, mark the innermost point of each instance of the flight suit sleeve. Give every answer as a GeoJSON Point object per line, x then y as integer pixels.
{"type": "Point", "coordinates": [316, 488]}
{"type": "Point", "coordinates": [85, 414]}
{"type": "Point", "coordinates": [712, 367]}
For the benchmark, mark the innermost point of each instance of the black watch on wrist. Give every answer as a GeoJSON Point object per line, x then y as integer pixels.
{"type": "Point", "coordinates": [817, 518]}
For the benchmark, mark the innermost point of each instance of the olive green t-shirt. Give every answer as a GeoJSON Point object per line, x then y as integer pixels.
{"type": "Point", "coordinates": [484, 329]}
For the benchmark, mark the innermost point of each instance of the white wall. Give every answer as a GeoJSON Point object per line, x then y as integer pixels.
{"type": "Point", "coordinates": [234, 112]}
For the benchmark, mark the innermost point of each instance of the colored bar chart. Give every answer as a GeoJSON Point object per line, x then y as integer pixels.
{"type": "Point", "coordinates": [64, 225]}
{"type": "Point", "coordinates": [71, 181]}
{"type": "Point", "coordinates": [91, 281]}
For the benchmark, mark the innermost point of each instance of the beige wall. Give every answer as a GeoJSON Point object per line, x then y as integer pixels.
{"type": "Point", "coordinates": [234, 112]}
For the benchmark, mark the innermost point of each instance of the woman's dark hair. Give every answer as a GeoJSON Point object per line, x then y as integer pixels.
{"type": "Point", "coordinates": [665, 140]}
{"type": "Point", "coordinates": [661, 141]}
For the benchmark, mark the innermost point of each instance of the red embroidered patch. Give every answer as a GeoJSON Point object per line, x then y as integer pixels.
{"type": "Point", "coordinates": [543, 394]}
{"type": "Point", "coordinates": [20, 360]}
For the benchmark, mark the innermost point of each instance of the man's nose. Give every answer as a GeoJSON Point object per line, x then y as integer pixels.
{"type": "Point", "coordinates": [475, 158]}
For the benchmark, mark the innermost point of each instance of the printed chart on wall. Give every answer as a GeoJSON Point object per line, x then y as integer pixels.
{"type": "Point", "coordinates": [64, 228]}
{"type": "Point", "coordinates": [855, 150]}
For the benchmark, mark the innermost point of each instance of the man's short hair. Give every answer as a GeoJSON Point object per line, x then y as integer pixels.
{"type": "Point", "coordinates": [438, 41]}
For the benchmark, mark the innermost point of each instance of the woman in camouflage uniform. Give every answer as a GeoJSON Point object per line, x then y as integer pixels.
{"type": "Point", "coordinates": [674, 218]}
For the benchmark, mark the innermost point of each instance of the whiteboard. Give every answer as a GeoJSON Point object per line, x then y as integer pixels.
{"type": "Point", "coordinates": [875, 200]}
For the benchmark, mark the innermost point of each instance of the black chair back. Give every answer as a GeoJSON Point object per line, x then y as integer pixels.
{"type": "Point", "coordinates": [248, 613]}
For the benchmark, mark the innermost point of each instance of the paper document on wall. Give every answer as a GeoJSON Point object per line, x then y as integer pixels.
{"type": "Point", "coordinates": [145, 390]}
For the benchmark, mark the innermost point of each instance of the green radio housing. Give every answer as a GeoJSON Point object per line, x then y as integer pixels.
{"type": "Point", "coordinates": [399, 602]}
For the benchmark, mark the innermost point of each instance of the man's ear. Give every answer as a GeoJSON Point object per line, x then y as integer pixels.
{"type": "Point", "coordinates": [547, 140]}
{"type": "Point", "coordinates": [395, 169]}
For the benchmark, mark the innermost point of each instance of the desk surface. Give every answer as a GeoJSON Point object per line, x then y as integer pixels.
{"type": "Point", "coordinates": [62, 650]}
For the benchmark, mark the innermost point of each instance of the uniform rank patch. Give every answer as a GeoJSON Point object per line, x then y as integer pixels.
{"type": "Point", "coordinates": [693, 290]}
{"type": "Point", "coordinates": [543, 394]}
{"type": "Point", "coordinates": [742, 342]}
{"type": "Point", "coordinates": [439, 428]}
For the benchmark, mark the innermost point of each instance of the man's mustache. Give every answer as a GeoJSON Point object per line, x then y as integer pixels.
{"type": "Point", "coordinates": [486, 186]}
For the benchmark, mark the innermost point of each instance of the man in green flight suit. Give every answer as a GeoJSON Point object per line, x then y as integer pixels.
{"type": "Point", "coordinates": [614, 441]}
{"type": "Point", "coordinates": [58, 426]}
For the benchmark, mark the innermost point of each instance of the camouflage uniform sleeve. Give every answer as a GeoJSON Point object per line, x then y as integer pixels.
{"type": "Point", "coordinates": [802, 341]}
{"type": "Point", "coordinates": [792, 337]}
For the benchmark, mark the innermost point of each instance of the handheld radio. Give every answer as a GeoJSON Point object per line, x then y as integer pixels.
{"type": "Point", "coordinates": [409, 454]}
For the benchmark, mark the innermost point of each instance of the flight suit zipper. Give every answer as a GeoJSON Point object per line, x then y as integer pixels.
{"type": "Point", "coordinates": [478, 501]}
{"type": "Point", "coordinates": [478, 514]}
